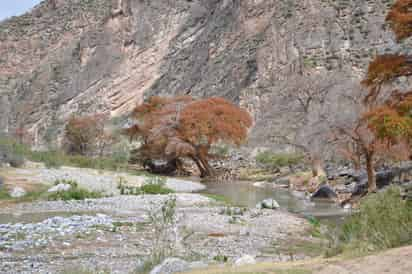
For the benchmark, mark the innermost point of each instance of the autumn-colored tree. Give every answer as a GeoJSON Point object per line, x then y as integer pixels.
{"type": "Point", "coordinates": [400, 19]}
{"type": "Point", "coordinates": [182, 127]}
{"type": "Point", "coordinates": [387, 122]}
{"type": "Point", "coordinates": [84, 134]}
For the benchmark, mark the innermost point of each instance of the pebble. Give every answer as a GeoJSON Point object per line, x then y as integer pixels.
{"type": "Point", "coordinates": [245, 260]}
{"type": "Point", "coordinates": [19, 236]}
{"type": "Point", "coordinates": [17, 192]}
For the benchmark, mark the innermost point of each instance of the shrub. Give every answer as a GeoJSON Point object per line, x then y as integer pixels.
{"type": "Point", "coordinates": [275, 160]}
{"type": "Point", "coordinates": [11, 152]}
{"type": "Point", "coordinates": [74, 193]}
{"type": "Point", "coordinates": [384, 221]}
{"type": "Point", "coordinates": [163, 221]}
{"type": "Point", "coordinates": [15, 160]}
{"type": "Point", "coordinates": [4, 193]}
{"type": "Point", "coordinates": [15, 153]}
{"type": "Point", "coordinates": [153, 185]}
{"type": "Point", "coordinates": [155, 189]}
{"type": "Point", "coordinates": [51, 159]}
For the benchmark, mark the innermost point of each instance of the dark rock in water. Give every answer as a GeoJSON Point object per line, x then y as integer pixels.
{"type": "Point", "coordinates": [385, 177]}
{"type": "Point", "coordinates": [1, 182]}
{"type": "Point", "coordinates": [324, 192]}
{"type": "Point", "coordinates": [360, 189]}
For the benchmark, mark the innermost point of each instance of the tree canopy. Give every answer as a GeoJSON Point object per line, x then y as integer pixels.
{"type": "Point", "coordinates": [400, 19]}
{"type": "Point", "coordinates": [175, 127]}
{"type": "Point", "coordinates": [387, 122]}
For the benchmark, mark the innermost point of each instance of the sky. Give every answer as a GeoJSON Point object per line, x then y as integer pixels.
{"type": "Point", "coordinates": [10, 8]}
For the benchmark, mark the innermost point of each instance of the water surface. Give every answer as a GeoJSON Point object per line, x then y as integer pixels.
{"type": "Point", "coordinates": [247, 195]}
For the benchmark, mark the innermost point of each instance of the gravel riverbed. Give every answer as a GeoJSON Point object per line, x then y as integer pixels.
{"type": "Point", "coordinates": [118, 233]}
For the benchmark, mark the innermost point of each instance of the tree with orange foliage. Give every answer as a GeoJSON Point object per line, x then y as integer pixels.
{"type": "Point", "coordinates": [84, 134]}
{"type": "Point", "coordinates": [386, 122]}
{"type": "Point", "coordinates": [400, 19]}
{"type": "Point", "coordinates": [182, 127]}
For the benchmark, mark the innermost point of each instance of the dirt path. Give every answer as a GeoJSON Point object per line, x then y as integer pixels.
{"type": "Point", "coordinates": [394, 261]}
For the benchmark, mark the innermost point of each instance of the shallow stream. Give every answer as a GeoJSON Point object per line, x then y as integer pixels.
{"type": "Point", "coordinates": [247, 195]}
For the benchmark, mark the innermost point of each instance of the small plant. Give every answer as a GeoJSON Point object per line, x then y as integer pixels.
{"type": "Point", "coordinates": [74, 193]}
{"type": "Point", "coordinates": [221, 258]}
{"type": "Point", "coordinates": [165, 237]}
{"type": "Point", "coordinates": [153, 185]}
{"type": "Point", "coordinates": [273, 160]}
{"type": "Point", "coordinates": [4, 193]}
{"type": "Point", "coordinates": [51, 159]}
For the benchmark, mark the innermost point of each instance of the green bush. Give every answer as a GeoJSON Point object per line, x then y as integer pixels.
{"type": "Point", "coordinates": [11, 152]}
{"type": "Point", "coordinates": [155, 189]}
{"type": "Point", "coordinates": [274, 160]}
{"type": "Point", "coordinates": [15, 153]}
{"type": "Point", "coordinates": [74, 193]}
{"type": "Point", "coordinates": [4, 193]}
{"type": "Point", "coordinates": [384, 221]}
{"type": "Point", "coordinates": [51, 159]}
{"type": "Point", "coordinates": [153, 185]}
{"type": "Point", "coordinates": [15, 160]}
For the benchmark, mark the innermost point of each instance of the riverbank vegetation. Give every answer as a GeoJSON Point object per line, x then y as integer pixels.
{"type": "Point", "coordinates": [384, 220]}
{"type": "Point", "coordinates": [15, 154]}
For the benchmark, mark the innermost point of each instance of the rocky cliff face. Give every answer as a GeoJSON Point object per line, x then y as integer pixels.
{"type": "Point", "coordinates": [87, 56]}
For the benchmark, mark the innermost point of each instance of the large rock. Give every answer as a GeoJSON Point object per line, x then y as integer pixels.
{"type": "Point", "coordinates": [170, 266]}
{"type": "Point", "coordinates": [245, 260]}
{"type": "Point", "coordinates": [17, 192]}
{"type": "Point", "coordinates": [324, 192]}
{"type": "Point", "coordinates": [268, 204]}
{"type": "Point", "coordinates": [59, 187]}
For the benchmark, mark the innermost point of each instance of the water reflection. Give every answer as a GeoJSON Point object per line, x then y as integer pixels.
{"type": "Point", "coordinates": [245, 194]}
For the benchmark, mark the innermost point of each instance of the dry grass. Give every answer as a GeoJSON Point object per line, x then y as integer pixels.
{"type": "Point", "coordinates": [261, 268]}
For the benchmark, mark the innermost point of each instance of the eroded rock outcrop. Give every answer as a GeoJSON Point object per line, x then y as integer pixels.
{"type": "Point", "coordinates": [76, 56]}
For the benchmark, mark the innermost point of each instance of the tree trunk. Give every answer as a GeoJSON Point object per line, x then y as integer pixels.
{"type": "Point", "coordinates": [208, 169]}
{"type": "Point", "coordinates": [371, 173]}
{"type": "Point", "coordinates": [317, 166]}
{"type": "Point", "coordinates": [199, 166]}
{"type": "Point", "coordinates": [205, 169]}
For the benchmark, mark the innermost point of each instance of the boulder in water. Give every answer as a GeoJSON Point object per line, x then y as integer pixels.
{"type": "Point", "coordinates": [324, 192]}
{"type": "Point", "coordinates": [268, 204]}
